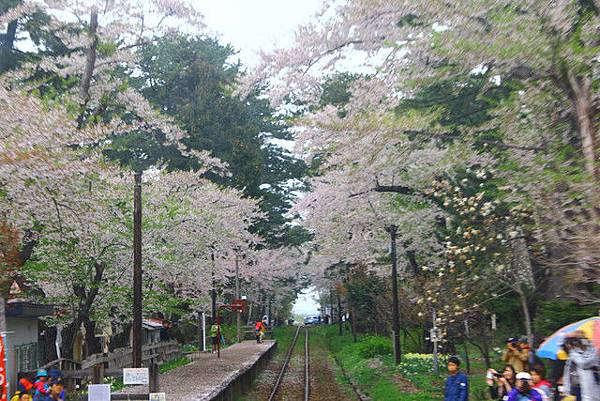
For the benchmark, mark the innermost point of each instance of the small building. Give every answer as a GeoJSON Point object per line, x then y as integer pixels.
{"type": "Point", "coordinates": [151, 331]}
{"type": "Point", "coordinates": [23, 350]}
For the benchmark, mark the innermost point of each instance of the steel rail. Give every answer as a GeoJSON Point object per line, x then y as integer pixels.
{"type": "Point", "coordinates": [285, 365]}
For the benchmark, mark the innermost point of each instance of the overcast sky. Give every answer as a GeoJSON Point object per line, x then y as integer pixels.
{"type": "Point", "coordinates": [251, 25]}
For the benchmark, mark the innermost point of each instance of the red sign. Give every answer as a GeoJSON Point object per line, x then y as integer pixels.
{"type": "Point", "coordinates": [3, 378]}
{"type": "Point", "coordinates": [239, 305]}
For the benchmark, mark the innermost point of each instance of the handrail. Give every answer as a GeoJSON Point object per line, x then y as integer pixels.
{"type": "Point", "coordinates": [58, 362]}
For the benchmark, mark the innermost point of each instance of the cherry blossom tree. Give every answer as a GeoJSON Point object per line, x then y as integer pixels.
{"type": "Point", "coordinates": [405, 46]}
{"type": "Point", "coordinates": [56, 183]}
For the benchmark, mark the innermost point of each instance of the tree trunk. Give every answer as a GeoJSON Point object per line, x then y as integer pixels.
{"type": "Point", "coordinates": [6, 46]}
{"type": "Point", "coordinates": [467, 359]}
{"type": "Point", "coordinates": [581, 97]}
{"type": "Point", "coordinates": [526, 315]}
{"type": "Point", "coordinates": [484, 352]}
{"type": "Point", "coordinates": [412, 260]}
{"type": "Point", "coordinates": [69, 334]}
{"type": "Point", "coordinates": [91, 341]}
{"type": "Point", "coordinates": [49, 342]}
{"type": "Point", "coordinates": [90, 62]}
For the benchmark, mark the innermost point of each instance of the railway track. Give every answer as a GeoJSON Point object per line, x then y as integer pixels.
{"type": "Point", "coordinates": [277, 387]}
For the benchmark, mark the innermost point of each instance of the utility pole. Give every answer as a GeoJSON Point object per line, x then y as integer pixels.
{"type": "Point", "coordinates": [393, 230]}
{"type": "Point", "coordinates": [137, 272]}
{"type": "Point", "coordinates": [213, 292]}
{"type": "Point", "coordinates": [237, 296]}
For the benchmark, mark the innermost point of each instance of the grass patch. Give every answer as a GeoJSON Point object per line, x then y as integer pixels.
{"type": "Point", "coordinates": [370, 365]}
{"type": "Point", "coordinates": [172, 364]}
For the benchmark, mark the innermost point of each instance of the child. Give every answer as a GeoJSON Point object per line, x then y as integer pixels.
{"type": "Point", "coordinates": [41, 385]}
{"type": "Point", "coordinates": [57, 390]}
{"type": "Point", "coordinates": [457, 385]}
{"type": "Point", "coordinates": [23, 391]}
{"type": "Point", "coordinates": [259, 331]}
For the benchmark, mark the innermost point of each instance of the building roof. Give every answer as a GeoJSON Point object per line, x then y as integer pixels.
{"type": "Point", "coordinates": [19, 306]}
{"type": "Point", "coordinates": [24, 308]}
{"type": "Point", "coordinates": [151, 324]}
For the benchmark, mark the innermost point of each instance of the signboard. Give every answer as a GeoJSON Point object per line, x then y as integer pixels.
{"type": "Point", "coordinates": [3, 373]}
{"type": "Point", "coordinates": [158, 397]}
{"type": "Point", "coordinates": [99, 392]}
{"type": "Point", "coordinates": [136, 376]}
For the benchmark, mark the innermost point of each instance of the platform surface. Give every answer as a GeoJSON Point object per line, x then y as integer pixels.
{"type": "Point", "coordinates": [207, 375]}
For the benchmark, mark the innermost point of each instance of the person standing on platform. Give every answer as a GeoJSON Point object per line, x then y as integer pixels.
{"type": "Point", "coordinates": [214, 337]}
{"type": "Point", "coordinates": [259, 331]}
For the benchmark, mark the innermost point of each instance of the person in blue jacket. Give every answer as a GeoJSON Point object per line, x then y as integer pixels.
{"type": "Point", "coordinates": [457, 384]}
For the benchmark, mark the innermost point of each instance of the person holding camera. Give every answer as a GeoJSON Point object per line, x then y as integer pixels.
{"type": "Point", "coordinates": [501, 384]}
{"type": "Point", "coordinates": [523, 390]}
{"type": "Point", "coordinates": [515, 355]}
{"type": "Point", "coordinates": [580, 377]}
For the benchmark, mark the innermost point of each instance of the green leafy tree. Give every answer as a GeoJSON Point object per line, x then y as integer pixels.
{"type": "Point", "coordinates": [193, 80]}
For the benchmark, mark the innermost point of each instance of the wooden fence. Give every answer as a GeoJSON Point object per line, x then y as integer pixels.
{"type": "Point", "coordinates": [120, 358]}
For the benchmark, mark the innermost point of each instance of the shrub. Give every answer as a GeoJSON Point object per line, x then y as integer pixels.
{"type": "Point", "coordinates": [416, 367]}
{"type": "Point", "coordinates": [372, 346]}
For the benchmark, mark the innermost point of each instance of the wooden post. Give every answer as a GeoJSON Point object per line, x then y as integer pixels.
{"type": "Point", "coordinates": [98, 374]}
{"type": "Point", "coordinates": [154, 377]}
{"type": "Point", "coordinates": [137, 272]}
{"type": "Point", "coordinates": [392, 230]}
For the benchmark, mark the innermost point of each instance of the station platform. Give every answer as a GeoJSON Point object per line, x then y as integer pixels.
{"type": "Point", "coordinates": [208, 378]}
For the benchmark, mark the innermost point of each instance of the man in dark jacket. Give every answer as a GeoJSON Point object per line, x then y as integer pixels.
{"type": "Point", "coordinates": [457, 385]}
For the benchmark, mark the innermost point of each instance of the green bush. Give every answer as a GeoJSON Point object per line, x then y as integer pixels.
{"type": "Point", "coordinates": [190, 348]}
{"type": "Point", "coordinates": [372, 346]}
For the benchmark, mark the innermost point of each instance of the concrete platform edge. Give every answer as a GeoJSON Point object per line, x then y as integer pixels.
{"type": "Point", "coordinates": [239, 382]}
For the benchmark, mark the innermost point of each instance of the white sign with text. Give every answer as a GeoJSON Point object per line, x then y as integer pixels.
{"type": "Point", "coordinates": [136, 376]}
{"type": "Point", "coordinates": [99, 392]}
{"type": "Point", "coordinates": [158, 397]}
